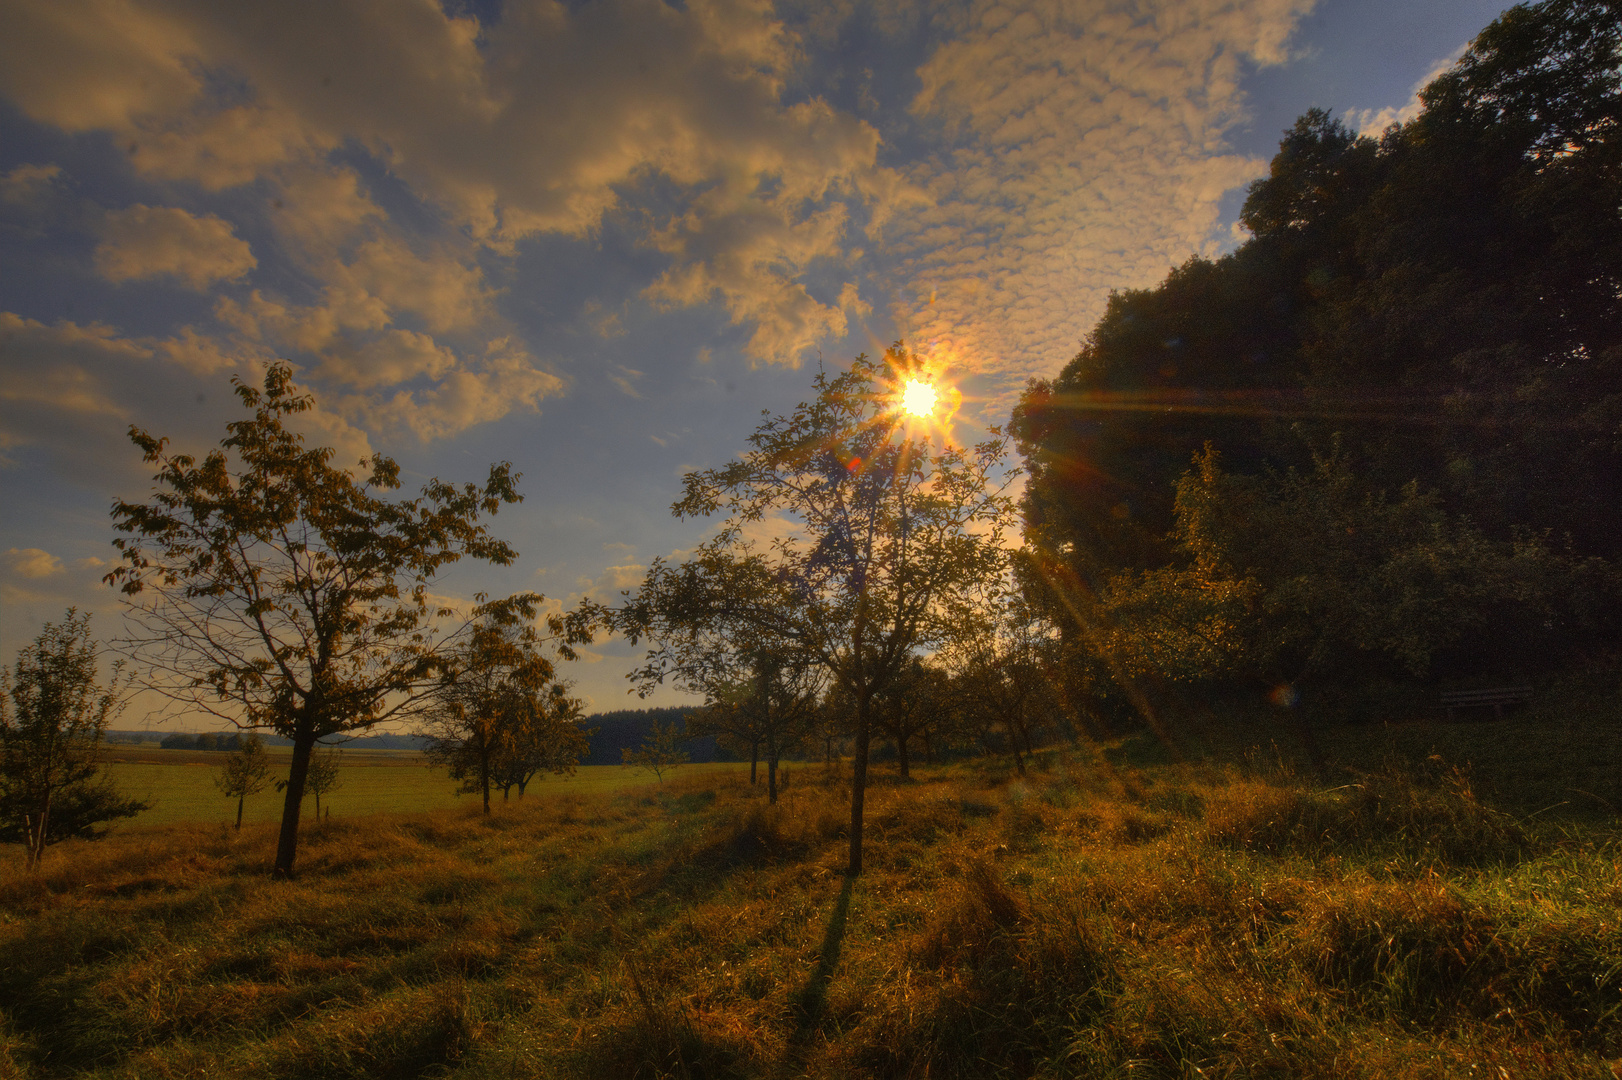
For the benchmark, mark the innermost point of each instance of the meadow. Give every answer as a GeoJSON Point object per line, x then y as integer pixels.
{"type": "Point", "coordinates": [179, 785]}
{"type": "Point", "coordinates": [1106, 914]}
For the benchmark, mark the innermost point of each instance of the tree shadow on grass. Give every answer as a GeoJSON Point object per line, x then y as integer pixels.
{"type": "Point", "coordinates": [811, 1001]}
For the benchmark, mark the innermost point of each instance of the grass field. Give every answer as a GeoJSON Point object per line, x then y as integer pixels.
{"type": "Point", "coordinates": [180, 785]}
{"type": "Point", "coordinates": [1107, 915]}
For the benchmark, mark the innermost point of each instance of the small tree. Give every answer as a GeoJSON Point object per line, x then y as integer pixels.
{"type": "Point", "coordinates": [757, 700]}
{"type": "Point", "coordinates": [490, 713]}
{"type": "Point", "coordinates": [549, 740]}
{"type": "Point", "coordinates": [275, 590]}
{"type": "Point", "coordinates": [659, 752]}
{"type": "Point", "coordinates": [321, 777]}
{"type": "Point", "coordinates": [53, 716]}
{"type": "Point", "coordinates": [911, 707]}
{"type": "Point", "coordinates": [246, 772]}
{"type": "Point", "coordinates": [1005, 673]}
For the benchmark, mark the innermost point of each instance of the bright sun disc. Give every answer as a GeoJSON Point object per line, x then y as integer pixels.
{"type": "Point", "coordinates": [918, 398]}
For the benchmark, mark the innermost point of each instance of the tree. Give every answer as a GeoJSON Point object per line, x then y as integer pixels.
{"type": "Point", "coordinates": [53, 717]}
{"type": "Point", "coordinates": [323, 777]}
{"type": "Point", "coordinates": [911, 707]}
{"type": "Point", "coordinates": [759, 700]}
{"type": "Point", "coordinates": [1005, 674]}
{"type": "Point", "coordinates": [275, 590]}
{"type": "Point", "coordinates": [549, 740]}
{"type": "Point", "coordinates": [490, 701]}
{"type": "Point", "coordinates": [891, 534]}
{"type": "Point", "coordinates": [659, 752]}
{"type": "Point", "coordinates": [245, 772]}
{"type": "Point", "coordinates": [1444, 300]}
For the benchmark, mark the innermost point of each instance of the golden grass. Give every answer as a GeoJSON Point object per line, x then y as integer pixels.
{"type": "Point", "coordinates": [179, 785]}
{"type": "Point", "coordinates": [1164, 922]}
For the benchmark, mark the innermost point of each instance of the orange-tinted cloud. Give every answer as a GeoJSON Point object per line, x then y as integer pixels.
{"type": "Point", "coordinates": [165, 241]}
{"type": "Point", "coordinates": [1083, 151]}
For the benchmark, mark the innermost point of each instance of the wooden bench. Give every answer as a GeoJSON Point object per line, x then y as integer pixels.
{"type": "Point", "coordinates": [1497, 697]}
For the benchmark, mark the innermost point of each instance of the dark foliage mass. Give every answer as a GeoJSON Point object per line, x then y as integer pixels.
{"type": "Point", "coordinates": [1410, 383]}
{"type": "Point", "coordinates": [613, 733]}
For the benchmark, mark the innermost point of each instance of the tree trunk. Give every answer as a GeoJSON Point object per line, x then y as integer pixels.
{"type": "Point", "coordinates": [771, 778]}
{"type": "Point", "coordinates": [858, 780]}
{"type": "Point", "coordinates": [484, 778]}
{"type": "Point", "coordinates": [287, 841]}
{"type": "Point", "coordinates": [41, 835]}
{"type": "Point", "coordinates": [901, 756]}
{"type": "Point", "coordinates": [754, 759]}
{"type": "Point", "coordinates": [240, 800]}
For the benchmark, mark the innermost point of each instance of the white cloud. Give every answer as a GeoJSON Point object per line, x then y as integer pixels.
{"type": "Point", "coordinates": [626, 380]}
{"type": "Point", "coordinates": [155, 241]}
{"type": "Point", "coordinates": [607, 586]}
{"type": "Point", "coordinates": [393, 357]}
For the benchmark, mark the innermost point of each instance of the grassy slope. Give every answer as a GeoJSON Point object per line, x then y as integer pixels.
{"type": "Point", "coordinates": [1096, 918]}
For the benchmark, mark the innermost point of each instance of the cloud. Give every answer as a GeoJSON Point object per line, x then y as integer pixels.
{"type": "Point", "coordinates": [1081, 149]}
{"type": "Point", "coordinates": [51, 369]}
{"type": "Point", "coordinates": [606, 587]}
{"type": "Point", "coordinates": [29, 184]}
{"type": "Point", "coordinates": [32, 563]}
{"type": "Point", "coordinates": [1372, 122]}
{"type": "Point", "coordinates": [626, 380]}
{"type": "Point", "coordinates": [542, 122]}
{"type": "Point", "coordinates": [36, 586]}
{"type": "Point", "coordinates": [203, 354]}
{"type": "Point", "coordinates": [142, 242]}
{"type": "Point", "coordinates": [396, 356]}
{"type": "Point", "coordinates": [504, 379]}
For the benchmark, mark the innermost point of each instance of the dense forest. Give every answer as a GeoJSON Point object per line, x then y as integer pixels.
{"type": "Point", "coordinates": [1380, 443]}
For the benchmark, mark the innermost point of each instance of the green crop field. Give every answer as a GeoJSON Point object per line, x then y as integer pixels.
{"type": "Point", "coordinates": [180, 785]}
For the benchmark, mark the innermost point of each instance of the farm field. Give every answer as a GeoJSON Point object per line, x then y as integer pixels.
{"type": "Point", "coordinates": [180, 785]}
{"type": "Point", "coordinates": [1102, 915]}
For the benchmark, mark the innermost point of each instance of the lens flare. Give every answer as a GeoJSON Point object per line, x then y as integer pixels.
{"type": "Point", "coordinates": [919, 397]}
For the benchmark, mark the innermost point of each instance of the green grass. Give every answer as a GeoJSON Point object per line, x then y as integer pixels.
{"type": "Point", "coordinates": [1102, 916]}
{"type": "Point", "coordinates": [372, 782]}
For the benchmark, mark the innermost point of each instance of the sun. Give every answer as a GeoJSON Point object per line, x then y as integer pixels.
{"type": "Point", "coordinates": [918, 398]}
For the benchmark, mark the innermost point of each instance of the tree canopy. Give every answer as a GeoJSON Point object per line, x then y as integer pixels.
{"type": "Point", "coordinates": [886, 537]}
{"type": "Point", "coordinates": [277, 590]}
{"type": "Point", "coordinates": [1414, 359]}
{"type": "Point", "coordinates": [53, 715]}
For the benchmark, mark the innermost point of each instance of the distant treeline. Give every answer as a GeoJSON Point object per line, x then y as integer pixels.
{"type": "Point", "coordinates": [612, 734]}
{"type": "Point", "coordinates": [625, 729]}
{"type": "Point", "coordinates": [183, 740]}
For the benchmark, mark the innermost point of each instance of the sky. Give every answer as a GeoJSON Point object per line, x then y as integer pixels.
{"type": "Point", "coordinates": [596, 239]}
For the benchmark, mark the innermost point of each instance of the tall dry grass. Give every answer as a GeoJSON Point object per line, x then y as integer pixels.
{"type": "Point", "coordinates": [1089, 919]}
